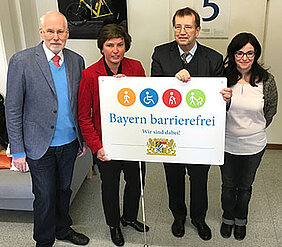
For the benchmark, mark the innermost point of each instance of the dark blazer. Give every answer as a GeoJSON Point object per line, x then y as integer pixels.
{"type": "Point", "coordinates": [31, 101]}
{"type": "Point", "coordinates": [167, 61]}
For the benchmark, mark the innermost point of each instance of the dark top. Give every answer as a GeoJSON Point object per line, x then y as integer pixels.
{"type": "Point", "coordinates": [108, 70]}
{"type": "Point", "coordinates": [166, 61]}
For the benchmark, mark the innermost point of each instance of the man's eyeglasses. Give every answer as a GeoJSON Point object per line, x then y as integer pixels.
{"type": "Point", "coordinates": [187, 28]}
{"type": "Point", "coordinates": [249, 54]}
{"type": "Point", "coordinates": [51, 33]}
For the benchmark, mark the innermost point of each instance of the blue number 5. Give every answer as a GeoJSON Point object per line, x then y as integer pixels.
{"type": "Point", "coordinates": [215, 10]}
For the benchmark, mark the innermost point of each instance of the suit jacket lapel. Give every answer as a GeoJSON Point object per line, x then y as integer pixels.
{"type": "Point", "coordinates": [68, 64]}
{"type": "Point", "coordinates": [203, 62]}
{"type": "Point", "coordinates": [176, 63]}
{"type": "Point", "coordinates": [42, 62]}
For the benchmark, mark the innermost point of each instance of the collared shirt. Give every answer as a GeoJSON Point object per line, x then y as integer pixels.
{"type": "Point", "coordinates": [49, 54]}
{"type": "Point", "coordinates": [190, 54]}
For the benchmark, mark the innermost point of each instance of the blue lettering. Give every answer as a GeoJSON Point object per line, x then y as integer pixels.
{"type": "Point", "coordinates": [112, 118]}
{"type": "Point", "coordinates": [124, 120]}
{"type": "Point", "coordinates": [119, 119]}
{"type": "Point", "coordinates": [180, 121]}
{"type": "Point", "coordinates": [199, 116]}
{"type": "Point", "coordinates": [202, 121]}
{"type": "Point", "coordinates": [153, 119]}
{"type": "Point", "coordinates": [131, 119]}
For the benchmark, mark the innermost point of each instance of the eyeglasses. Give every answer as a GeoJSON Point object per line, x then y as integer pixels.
{"type": "Point", "coordinates": [249, 54]}
{"type": "Point", "coordinates": [187, 28]}
{"type": "Point", "coordinates": [51, 33]}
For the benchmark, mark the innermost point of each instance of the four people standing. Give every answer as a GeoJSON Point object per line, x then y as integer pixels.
{"type": "Point", "coordinates": [42, 121]}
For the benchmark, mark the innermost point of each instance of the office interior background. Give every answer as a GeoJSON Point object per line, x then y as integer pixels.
{"type": "Point", "coordinates": [149, 23]}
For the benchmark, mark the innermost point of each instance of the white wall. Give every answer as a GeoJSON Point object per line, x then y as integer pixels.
{"type": "Point", "coordinates": [272, 60]}
{"type": "Point", "coordinates": [245, 15]}
{"type": "Point", "coordinates": [7, 29]}
{"type": "Point", "coordinates": [16, 19]}
{"type": "Point", "coordinates": [29, 21]}
{"type": "Point", "coordinates": [150, 25]}
{"type": "Point", "coordinates": [3, 64]}
{"type": "Point", "coordinates": [142, 24]}
{"type": "Point", "coordinates": [7, 45]}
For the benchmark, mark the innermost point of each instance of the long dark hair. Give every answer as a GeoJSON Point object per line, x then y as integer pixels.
{"type": "Point", "coordinates": [257, 72]}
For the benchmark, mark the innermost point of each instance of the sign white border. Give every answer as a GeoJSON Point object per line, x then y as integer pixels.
{"type": "Point", "coordinates": [128, 130]}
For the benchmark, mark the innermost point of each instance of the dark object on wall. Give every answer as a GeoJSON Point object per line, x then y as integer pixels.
{"type": "Point", "coordinates": [3, 130]}
{"type": "Point", "coordinates": [87, 17]}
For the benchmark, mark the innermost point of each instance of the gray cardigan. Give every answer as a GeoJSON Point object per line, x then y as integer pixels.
{"type": "Point", "coordinates": [270, 99]}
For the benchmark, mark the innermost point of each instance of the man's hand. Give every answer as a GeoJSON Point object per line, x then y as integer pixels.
{"type": "Point", "coordinates": [183, 75]}
{"type": "Point", "coordinates": [20, 163]}
{"type": "Point", "coordinates": [101, 155]}
{"type": "Point", "coordinates": [83, 151]}
{"type": "Point", "coordinates": [226, 94]}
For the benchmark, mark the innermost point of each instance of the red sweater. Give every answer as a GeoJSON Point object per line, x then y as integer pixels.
{"type": "Point", "coordinates": [89, 117]}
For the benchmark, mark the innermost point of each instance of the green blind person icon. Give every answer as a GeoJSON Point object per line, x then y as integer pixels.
{"type": "Point", "coordinates": [195, 98]}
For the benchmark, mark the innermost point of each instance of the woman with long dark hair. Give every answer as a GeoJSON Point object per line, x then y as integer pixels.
{"type": "Point", "coordinates": [253, 105]}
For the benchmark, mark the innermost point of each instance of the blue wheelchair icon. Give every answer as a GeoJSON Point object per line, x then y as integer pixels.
{"type": "Point", "coordinates": [149, 97]}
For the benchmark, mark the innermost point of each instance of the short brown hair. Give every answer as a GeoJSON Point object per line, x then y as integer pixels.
{"type": "Point", "coordinates": [111, 31]}
{"type": "Point", "coordinates": [187, 11]}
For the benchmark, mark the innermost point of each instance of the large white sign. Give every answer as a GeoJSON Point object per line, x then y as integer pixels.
{"type": "Point", "coordinates": [215, 17]}
{"type": "Point", "coordinates": [162, 119]}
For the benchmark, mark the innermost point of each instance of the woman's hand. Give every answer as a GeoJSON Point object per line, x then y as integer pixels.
{"type": "Point", "coordinates": [82, 152]}
{"type": "Point", "coordinates": [101, 155]}
{"type": "Point", "coordinates": [226, 94]}
{"type": "Point", "coordinates": [183, 75]}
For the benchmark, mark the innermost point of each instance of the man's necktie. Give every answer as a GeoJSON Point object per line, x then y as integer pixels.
{"type": "Point", "coordinates": [56, 60]}
{"type": "Point", "coordinates": [184, 56]}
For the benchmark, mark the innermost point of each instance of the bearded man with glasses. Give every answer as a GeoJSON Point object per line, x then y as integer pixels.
{"type": "Point", "coordinates": [41, 111]}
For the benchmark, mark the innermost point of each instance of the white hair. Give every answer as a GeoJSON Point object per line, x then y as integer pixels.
{"type": "Point", "coordinates": [42, 18]}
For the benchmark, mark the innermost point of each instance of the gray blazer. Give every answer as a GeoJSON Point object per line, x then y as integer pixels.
{"type": "Point", "coordinates": [31, 100]}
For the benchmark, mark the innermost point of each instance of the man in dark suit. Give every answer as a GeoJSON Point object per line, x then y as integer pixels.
{"type": "Point", "coordinates": [41, 111]}
{"type": "Point", "coordinates": [183, 58]}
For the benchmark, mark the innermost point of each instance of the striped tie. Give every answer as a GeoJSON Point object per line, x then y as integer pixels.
{"type": "Point", "coordinates": [184, 56]}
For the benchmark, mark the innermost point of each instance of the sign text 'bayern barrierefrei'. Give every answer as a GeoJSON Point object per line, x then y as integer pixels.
{"type": "Point", "coordinates": [161, 119]}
